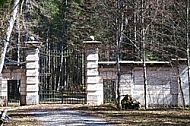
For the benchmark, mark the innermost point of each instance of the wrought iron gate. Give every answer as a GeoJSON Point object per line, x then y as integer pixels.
{"type": "Point", "coordinates": [62, 97]}
{"type": "Point", "coordinates": [62, 77]}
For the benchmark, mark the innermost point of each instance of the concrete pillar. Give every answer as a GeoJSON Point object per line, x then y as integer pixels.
{"type": "Point", "coordinates": [32, 82]}
{"type": "Point", "coordinates": [94, 87]}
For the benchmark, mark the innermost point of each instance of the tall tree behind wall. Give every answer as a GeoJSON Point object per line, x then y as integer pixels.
{"type": "Point", "coordinates": [8, 32]}
{"type": "Point", "coordinates": [188, 42]}
{"type": "Point", "coordinates": [65, 24]}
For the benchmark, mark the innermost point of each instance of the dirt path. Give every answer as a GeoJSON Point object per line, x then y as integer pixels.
{"type": "Point", "coordinates": [67, 117]}
{"type": "Point", "coordinates": [70, 115]}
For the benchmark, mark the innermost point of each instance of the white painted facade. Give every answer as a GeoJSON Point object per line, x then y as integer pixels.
{"type": "Point", "coordinates": [162, 89]}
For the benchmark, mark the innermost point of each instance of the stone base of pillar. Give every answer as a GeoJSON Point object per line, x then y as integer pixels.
{"type": "Point", "coordinates": [32, 99]}
{"type": "Point", "coordinates": [95, 98]}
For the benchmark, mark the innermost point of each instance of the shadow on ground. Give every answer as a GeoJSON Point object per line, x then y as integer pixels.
{"type": "Point", "coordinates": [170, 117]}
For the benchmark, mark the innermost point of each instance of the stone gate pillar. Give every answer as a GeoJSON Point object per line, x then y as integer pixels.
{"type": "Point", "coordinates": [92, 80]}
{"type": "Point", "coordinates": [32, 73]}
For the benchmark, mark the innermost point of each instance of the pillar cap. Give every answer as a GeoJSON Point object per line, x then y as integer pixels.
{"type": "Point", "coordinates": [92, 42]}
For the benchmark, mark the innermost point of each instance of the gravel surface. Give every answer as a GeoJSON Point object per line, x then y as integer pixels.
{"type": "Point", "coordinates": [67, 117]}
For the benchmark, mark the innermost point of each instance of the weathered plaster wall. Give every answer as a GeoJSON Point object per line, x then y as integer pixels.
{"type": "Point", "coordinates": [162, 89]}
{"type": "Point", "coordinates": [162, 86]}
{"type": "Point", "coordinates": [13, 74]}
{"type": "Point", "coordinates": [126, 79]}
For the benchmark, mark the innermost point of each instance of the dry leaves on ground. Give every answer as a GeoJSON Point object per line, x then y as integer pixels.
{"type": "Point", "coordinates": [21, 115]}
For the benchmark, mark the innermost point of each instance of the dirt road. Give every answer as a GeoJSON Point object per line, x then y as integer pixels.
{"type": "Point", "coordinates": [67, 117]}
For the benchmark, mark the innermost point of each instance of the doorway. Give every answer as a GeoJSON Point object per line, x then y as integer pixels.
{"type": "Point", "coordinates": [13, 91]}
{"type": "Point", "coordinates": [109, 90]}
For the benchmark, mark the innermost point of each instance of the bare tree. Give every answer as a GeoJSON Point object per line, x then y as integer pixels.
{"type": "Point", "coordinates": [188, 45]}
{"type": "Point", "coordinates": [8, 32]}
{"type": "Point", "coordinates": [144, 53]}
{"type": "Point", "coordinates": [119, 39]}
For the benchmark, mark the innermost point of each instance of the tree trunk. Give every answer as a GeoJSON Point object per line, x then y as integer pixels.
{"type": "Point", "coordinates": [180, 83]}
{"type": "Point", "coordinates": [188, 46]}
{"type": "Point", "coordinates": [144, 55]}
{"type": "Point", "coordinates": [120, 24]}
{"type": "Point", "coordinates": [8, 33]}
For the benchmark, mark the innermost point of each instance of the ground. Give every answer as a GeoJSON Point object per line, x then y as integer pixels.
{"type": "Point", "coordinates": [21, 116]}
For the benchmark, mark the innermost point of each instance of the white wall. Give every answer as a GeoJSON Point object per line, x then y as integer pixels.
{"type": "Point", "coordinates": [163, 87]}
{"type": "Point", "coordinates": [12, 74]}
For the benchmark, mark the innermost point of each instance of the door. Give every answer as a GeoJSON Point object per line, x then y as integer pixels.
{"type": "Point", "coordinates": [109, 91]}
{"type": "Point", "coordinates": [13, 90]}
